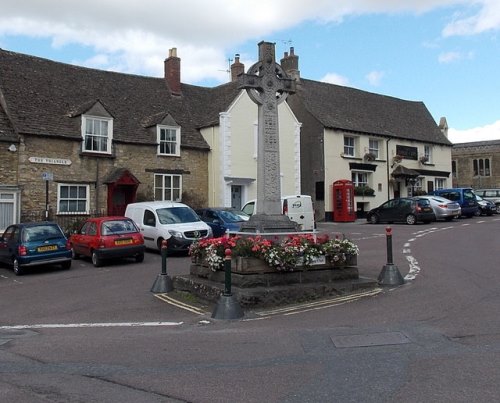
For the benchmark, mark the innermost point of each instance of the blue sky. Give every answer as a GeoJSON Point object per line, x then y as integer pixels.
{"type": "Point", "coordinates": [445, 53]}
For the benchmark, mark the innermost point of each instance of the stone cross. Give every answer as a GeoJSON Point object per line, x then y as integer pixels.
{"type": "Point", "coordinates": [267, 85]}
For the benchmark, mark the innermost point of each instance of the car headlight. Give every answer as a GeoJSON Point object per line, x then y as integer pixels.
{"type": "Point", "coordinates": [175, 234]}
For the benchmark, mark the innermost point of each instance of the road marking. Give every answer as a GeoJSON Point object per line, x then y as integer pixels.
{"type": "Point", "coordinates": [179, 304]}
{"type": "Point", "coordinates": [414, 268]}
{"type": "Point", "coordinates": [315, 305]}
{"type": "Point", "coordinates": [80, 325]}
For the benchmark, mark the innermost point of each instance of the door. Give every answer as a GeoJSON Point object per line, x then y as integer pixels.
{"type": "Point", "coordinates": [8, 208]}
{"type": "Point", "coordinates": [236, 196]}
{"type": "Point", "coordinates": [148, 229]}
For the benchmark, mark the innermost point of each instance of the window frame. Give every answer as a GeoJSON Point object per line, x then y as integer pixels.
{"type": "Point", "coordinates": [374, 147]}
{"type": "Point", "coordinates": [177, 142]}
{"type": "Point", "coordinates": [481, 167]}
{"type": "Point", "coordinates": [70, 199]}
{"type": "Point", "coordinates": [355, 180]}
{"type": "Point", "coordinates": [349, 150]}
{"type": "Point", "coordinates": [162, 189]}
{"type": "Point", "coordinates": [108, 137]}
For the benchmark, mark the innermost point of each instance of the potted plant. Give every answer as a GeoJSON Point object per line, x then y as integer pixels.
{"type": "Point", "coordinates": [363, 190]}
{"type": "Point", "coordinates": [397, 158]}
{"type": "Point", "coordinates": [289, 254]}
{"type": "Point", "coordinates": [424, 159]}
{"type": "Point", "coordinates": [369, 156]}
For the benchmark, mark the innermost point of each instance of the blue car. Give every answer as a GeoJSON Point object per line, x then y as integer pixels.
{"type": "Point", "coordinates": [33, 245]}
{"type": "Point", "coordinates": [222, 219]}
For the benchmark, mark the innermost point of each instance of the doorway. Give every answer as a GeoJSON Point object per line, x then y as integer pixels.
{"type": "Point", "coordinates": [236, 196]}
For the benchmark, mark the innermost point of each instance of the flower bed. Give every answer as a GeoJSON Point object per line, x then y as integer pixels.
{"type": "Point", "coordinates": [286, 255]}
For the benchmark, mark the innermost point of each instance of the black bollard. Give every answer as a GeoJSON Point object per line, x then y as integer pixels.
{"type": "Point", "coordinates": [163, 282]}
{"type": "Point", "coordinates": [228, 306]}
{"type": "Point", "coordinates": [390, 274]}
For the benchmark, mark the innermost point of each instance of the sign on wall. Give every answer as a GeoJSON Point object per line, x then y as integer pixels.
{"type": "Point", "coordinates": [409, 153]}
{"type": "Point", "coordinates": [51, 161]}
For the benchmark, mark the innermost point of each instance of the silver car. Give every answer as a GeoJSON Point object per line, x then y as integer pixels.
{"type": "Point", "coordinates": [444, 209]}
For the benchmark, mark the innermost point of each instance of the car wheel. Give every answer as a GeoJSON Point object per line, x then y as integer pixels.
{"type": "Point", "coordinates": [139, 258]}
{"type": "Point", "coordinates": [66, 265]}
{"type": "Point", "coordinates": [373, 219]}
{"type": "Point", "coordinates": [96, 260]}
{"type": "Point", "coordinates": [498, 208]}
{"type": "Point", "coordinates": [18, 270]}
{"type": "Point", "coordinates": [411, 219]}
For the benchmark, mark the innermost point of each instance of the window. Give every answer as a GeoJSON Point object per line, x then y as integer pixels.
{"type": "Point", "coordinates": [454, 169]}
{"type": "Point", "coordinates": [168, 187]}
{"type": "Point", "coordinates": [169, 140]}
{"type": "Point", "coordinates": [97, 134]}
{"type": "Point", "coordinates": [360, 178]}
{"type": "Point", "coordinates": [72, 198]}
{"type": "Point", "coordinates": [349, 143]}
{"type": "Point", "coordinates": [428, 153]}
{"type": "Point", "coordinates": [481, 167]}
{"type": "Point", "coordinates": [440, 183]}
{"type": "Point", "coordinates": [373, 148]}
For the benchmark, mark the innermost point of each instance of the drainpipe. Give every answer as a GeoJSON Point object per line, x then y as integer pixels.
{"type": "Point", "coordinates": [387, 165]}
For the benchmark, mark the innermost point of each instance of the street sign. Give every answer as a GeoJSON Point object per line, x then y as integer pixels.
{"type": "Point", "coordinates": [48, 176]}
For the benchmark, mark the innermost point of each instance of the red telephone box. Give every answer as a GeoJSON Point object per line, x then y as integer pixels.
{"type": "Point", "coordinates": [343, 201]}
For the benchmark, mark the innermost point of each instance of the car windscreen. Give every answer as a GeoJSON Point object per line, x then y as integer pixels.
{"type": "Point", "coordinates": [469, 195]}
{"type": "Point", "coordinates": [114, 227]}
{"type": "Point", "coordinates": [41, 233]}
{"type": "Point", "coordinates": [176, 215]}
{"type": "Point", "coordinates": [231, 216]}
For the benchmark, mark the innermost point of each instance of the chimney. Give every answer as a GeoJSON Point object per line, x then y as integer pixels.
{"type": "Point", "coordinates": [290, 64]}
{"type": "Point", "coordinates": [173, 72]}
{"type": "Point", "coordinates": [443, 126]}
{"type": "Point", "coordinates": [237, 68]}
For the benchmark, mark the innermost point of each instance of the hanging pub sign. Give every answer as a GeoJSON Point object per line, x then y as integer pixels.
{"type": "Point", "coordinates": [409, 153]}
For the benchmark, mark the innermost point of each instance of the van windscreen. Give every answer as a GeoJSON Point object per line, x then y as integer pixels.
{"type": "Point", "coordinates": [176, 215]}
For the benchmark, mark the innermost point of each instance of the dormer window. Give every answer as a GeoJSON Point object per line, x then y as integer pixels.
{"type": "Point", "coordinates": [169, 140]}
{"type": "Point", "coordinates": [97, 134]}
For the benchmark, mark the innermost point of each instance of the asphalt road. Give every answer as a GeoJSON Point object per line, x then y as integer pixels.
{"type": "Point", "coordinates": [99, 334]}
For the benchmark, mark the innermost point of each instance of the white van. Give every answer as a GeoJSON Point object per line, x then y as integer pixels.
{"type": "Point", "coordinates": [298, 208]}
{"type": "Point", "coordinates": [164, 220]}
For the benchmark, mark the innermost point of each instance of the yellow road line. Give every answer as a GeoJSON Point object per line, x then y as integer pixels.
{"type": "Point", "coordinates": [315, 305]}
{"type": "Point", "coordinates": [179, 304]}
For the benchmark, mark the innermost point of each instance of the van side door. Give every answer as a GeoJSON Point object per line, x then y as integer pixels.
{"type": "Point", "coordinates": [148, 228]}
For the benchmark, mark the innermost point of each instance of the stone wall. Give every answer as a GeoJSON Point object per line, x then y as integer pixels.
{"type": "Point", "coordinates": [140, 160]}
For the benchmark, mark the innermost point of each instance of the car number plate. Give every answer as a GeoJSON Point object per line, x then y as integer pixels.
{"type": "Point", "coordinates": [46, 248]}
{"type": "Point", "coordinates": [123, 241]}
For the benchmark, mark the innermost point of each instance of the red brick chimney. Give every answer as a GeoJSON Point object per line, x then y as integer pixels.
{"type": "Point", "coordinates": [237, 68]}
{"type": "Point", "coordinates": [173, 72]}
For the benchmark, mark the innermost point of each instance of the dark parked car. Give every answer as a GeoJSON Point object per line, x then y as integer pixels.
{"type": "Point", "coordinates": [108, 238]}
{"type": "Point", "coordinates": [221, 219]}
{"type": "Point", "coordinates": [486, 207]}
{"type": "Point", "coordinates": [404, 209]}
{"type": "Point", "coordinates": [34, 244]}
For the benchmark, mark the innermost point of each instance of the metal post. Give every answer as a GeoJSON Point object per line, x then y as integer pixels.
{"type": "Point", "coordinates": [390, 274]}
{"type": "Point", "coordinates": [228, 306]}
{"type": "Point", "coordinates": [227, 270]}
{"type": "Point", "coordinates": [46, 200]}
{"type": "Point", "coordinates": [163, 282]}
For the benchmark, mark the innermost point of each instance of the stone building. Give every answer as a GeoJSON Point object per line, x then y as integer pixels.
{"type": "Point", "coordinates": [76, 141]}
{"type": "Point", "coordinates": [388, 146]}
{"type": "Point", "coordinates": [476, 164]}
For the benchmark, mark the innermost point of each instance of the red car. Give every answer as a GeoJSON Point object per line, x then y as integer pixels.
{"type": "Point", "coordinates": [104, 238]}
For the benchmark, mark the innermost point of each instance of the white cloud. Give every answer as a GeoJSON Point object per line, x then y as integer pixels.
{"type": "Point", "coordinates": [136, 35]}
{"type": "Point", "coordinates": [334, 78]}
{"type": "Point", "coordinates": [488, 132]}
{"type": "Point", "coordinates": [375, 77]}
{"type": "Point", "coordinates": [487, 18]}
{"type": "Point", "coordinates": [449, 57]}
